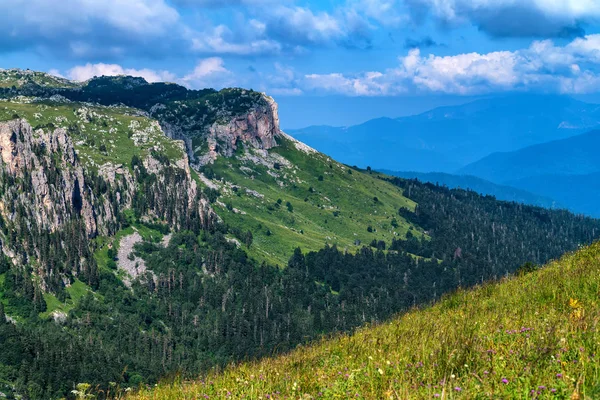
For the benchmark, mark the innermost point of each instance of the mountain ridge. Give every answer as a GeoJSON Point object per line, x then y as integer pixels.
{"type": "Point", "coordinates": [222, 246]}
{"type": "Point", "coordinates": [448, 138]}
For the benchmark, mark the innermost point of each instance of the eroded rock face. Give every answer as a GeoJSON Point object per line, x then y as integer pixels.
{"type": "Point", "coordinates": [52, 185]}
{"type": "Point", "coordinates": [259, 128]}
{"type": "Point", "coordinates": [44, 187]}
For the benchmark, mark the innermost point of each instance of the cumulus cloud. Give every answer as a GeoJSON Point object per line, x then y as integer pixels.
{"type": "Point", "coordinates": [301, 25]}
{"type": "Point", "coordinates": [209, 72]}
{"type": "Point", "coordinates": [542, 66]}
{"type": "Point", "coordinates": [222, 40]}
{"type": "Point", "coordinates": [505, 18]}
{"type": "Point", "coordinates": [224, 3]}
{"type": "Point", "coordinates": [83, 28]}
{"type": "Point", "coordinates": [84, 72]}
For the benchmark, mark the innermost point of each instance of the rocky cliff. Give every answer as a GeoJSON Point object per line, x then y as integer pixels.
{"type": "Point", "coordinates": [258, 128]}
{"type": "Point", "coordinates": [47, 195]}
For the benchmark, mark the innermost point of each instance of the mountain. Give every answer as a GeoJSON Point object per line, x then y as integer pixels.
{"type": "Point", "coordinates": [501, 192]}
{"type": "Point", "coordinates": [566, 170]}
{"type": "Point", "coordinates": [448, 138]}
{"type": "Point", "coordinates": [526, 336]}
{"type": "Point", "coordinates": [580, 192]}
{"type": "Point", "coordinates": [148, 230]}
{"type": "Point", "coordinates": [572, 156]}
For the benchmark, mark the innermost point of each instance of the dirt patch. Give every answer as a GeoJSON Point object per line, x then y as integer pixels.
{"type": "Point", "coordinates": [127, 261]}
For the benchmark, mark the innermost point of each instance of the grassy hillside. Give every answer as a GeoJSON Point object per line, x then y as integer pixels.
{"type": "Point", "coordinates": [533, 336]}
{"type": "Point", "coordinates": [19, 78]}
{"type": "Point", "coordinates": [293, 197]}
{"type": "Point", "coordinates": [100, 134]}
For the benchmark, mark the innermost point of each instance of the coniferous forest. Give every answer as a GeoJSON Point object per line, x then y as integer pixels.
{"type": "Point", "coordinates": [203, 303]}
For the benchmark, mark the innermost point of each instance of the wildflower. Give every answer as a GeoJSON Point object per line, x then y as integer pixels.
{"type": "Point", "coordinates": [553, 390]}
{"type": "Point", "coordinates": [505, 381]}
{"type": "Point", "coordinates": [542, 387]}
{"type": "Point", "coordinates": [458, 389]}
{"type": "Point", "coordinates": [436, 395]}
{"type": "Point", "coordinates": [380, 371]}
{"type": "Point", "coordinates": [559, 376]}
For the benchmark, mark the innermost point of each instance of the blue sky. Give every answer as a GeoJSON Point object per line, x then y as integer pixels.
{"type": "Point", "coordinates": [325, 61]}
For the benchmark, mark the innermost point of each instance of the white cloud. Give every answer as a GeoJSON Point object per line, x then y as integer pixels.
{"type": "Point", "coordinates": [222, 40]}
{"type": "Point", "coordinates": [542, 66]}
{"type": "Point", "coordinates": [541, 18]}
{"type": "Point", "coordinates": [386, 12]}
{"type": "Point", "coordinates": [85, 27]}
{"type": "Point", "coordinates": [300, 24]}
{"type": "Point", "coordinates": [88, 71]}
{"type": "Point", "coordinates": [210, 72]}
{"type": "Point", "coordinates": [367, 84]}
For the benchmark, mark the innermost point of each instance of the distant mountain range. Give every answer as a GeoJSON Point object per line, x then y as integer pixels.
{"type": "Point", "coordinates": [447, 139]}
{"type": "Point", "coordinates": [481, 186]}
{"type": "Point", "coordinates": [572, 156]}
{"type": "Point", "coordinates": [566, 170]}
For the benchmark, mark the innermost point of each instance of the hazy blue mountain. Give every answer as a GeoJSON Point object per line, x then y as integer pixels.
{"type": "Point", "coordinates": [576, 155]}
{"type": "Point", "coordinates": [448, 138]}
{"type": "Point", "coordinates": [501, 192]}
{"type": "Point", "coordinates": [580, 193]}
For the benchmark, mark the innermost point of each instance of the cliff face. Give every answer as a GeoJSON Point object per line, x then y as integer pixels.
{"type": "Point", "coordinates": [49, 182]}
{"type": "Point", "coordinates": [255, 123]}
{"type": "Point", "coordinates": [258, 127]}
{"type": "Point", "coordinates": [46, 190]}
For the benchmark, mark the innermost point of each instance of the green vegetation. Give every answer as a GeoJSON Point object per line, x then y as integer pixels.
{"type": "Point", "coordinates": [336, 210]}
{"type": "Point", "coordinates": [25, 78]}
{"type": "Point", "coordinates": [75, 292]}
{"type": "Point", "coordinates": [307, 248]}
{"type": "Point", "coordinates": [533, 336]}
{"type": "Point", "coordinates": [100, 134]}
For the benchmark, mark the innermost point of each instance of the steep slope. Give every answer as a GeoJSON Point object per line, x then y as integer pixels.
{"type": "Point", "coordinates": [292, 196]}
{"type": "Point", "coordinates": [446, 138]}
{"type": "Point", "coordinates": [116, 271]}
{"type": "Point", "coordinates": [261, 180]}
{"type": "Point", "coordinates": [532, 336]}
{"type": "Point", "coordinates": [69, 178]}
{"type": "Point", "coordinates": [501, 192]}
{"type": "Point", "coordinates": [573, 156]}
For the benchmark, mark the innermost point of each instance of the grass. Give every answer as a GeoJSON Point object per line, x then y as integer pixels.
{"type": "Point", "coordinates": [99, 134]}
{"type": "Point", "coordinates": [528, 337]}
{"type": "Point", "coordinates": [338, 210]}
{"type": "Point", "coordinates": [18, 78]}
{"type": "Point", "coordinates": [76, 291]}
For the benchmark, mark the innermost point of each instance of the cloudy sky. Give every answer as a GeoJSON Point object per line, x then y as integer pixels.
{"type": "Point", "coordinates": [325, 61]}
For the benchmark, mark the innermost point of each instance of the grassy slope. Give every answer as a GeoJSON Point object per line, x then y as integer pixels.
{"type": "Point", "coordinates": [313, 222]}
{"type": "Point", "coordinates": [106, 134]}
{"type": "Point", "coordinates": [533, 336]}
{"type": "Point", "coordinates": [19, 78]}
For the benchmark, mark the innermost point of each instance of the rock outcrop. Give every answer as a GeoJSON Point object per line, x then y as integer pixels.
{"type": "Point", "coordinates": [45, 189]}
{"type": "Point", "coordinates": [257, 126]}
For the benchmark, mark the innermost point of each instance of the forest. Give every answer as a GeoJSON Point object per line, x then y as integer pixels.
{"type": "Point", "coordinates": [203, 303]}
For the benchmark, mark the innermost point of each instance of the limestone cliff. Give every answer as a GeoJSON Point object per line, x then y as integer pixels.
{"type": "Point", "coordinates": [46, 190]}
{"type": "Point", "coordinates": [256, 124]}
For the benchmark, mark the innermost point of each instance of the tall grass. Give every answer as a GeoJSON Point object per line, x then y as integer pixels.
{"type": "Point", "coordinates": [528, 337]}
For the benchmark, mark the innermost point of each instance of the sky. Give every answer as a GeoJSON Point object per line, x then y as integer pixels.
{"type": "Point", "coordinates": [336, 62]}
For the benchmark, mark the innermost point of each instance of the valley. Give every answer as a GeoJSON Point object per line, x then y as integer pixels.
{"type": "Point", "coordinates": [150, 230]}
